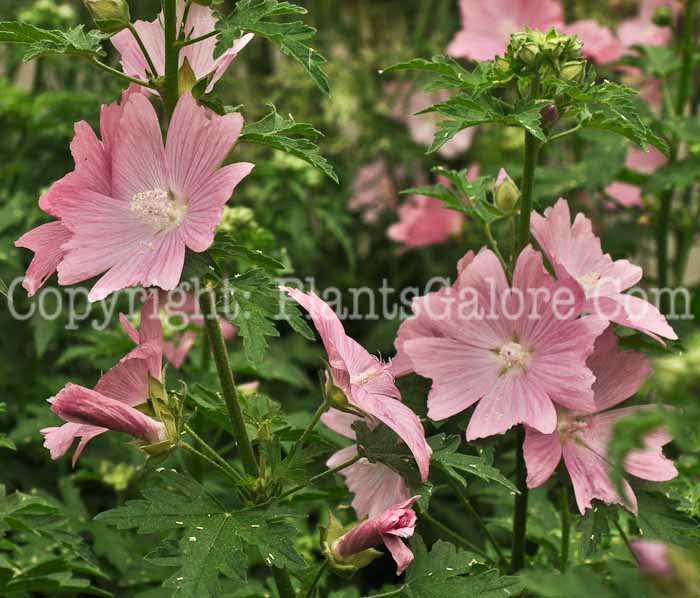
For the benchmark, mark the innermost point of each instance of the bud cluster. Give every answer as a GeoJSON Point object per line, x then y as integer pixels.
{"type": "Point", "coordinates": [546, 53]}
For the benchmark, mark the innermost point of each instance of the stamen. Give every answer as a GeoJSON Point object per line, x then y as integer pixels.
{"type": "Point", "coordinates": [158, 208]}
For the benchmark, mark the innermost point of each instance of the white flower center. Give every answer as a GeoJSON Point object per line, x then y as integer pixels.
{"type": "Point", "coordinates": [366, 376]}
{"type": "Point", "coordinates": [514, 355]}
{"type": "Point", "coordinates": [589, 282]}
{"type": "Point", "coordinates": [159, 209]}
{"type": "Point", "coordinates": [570, 428]}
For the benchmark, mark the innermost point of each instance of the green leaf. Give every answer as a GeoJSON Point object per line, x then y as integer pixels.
{"type": "Point", "coordinates": [291, 36]}
{"type": "Point", "coordinates": [594, 527]}
{"type": "Point", "coordinates": [253, 303]}
{"type": "Point", "coordinates": [449, 72]}
{"type": "Point", "coordinates": [226, 247]}
{"type": "Point", "coordinates": [444, 572]}
{"type": "Point", "coordinates": [42, 42]}
{"type": "Point", "coordinates": [659, 519]}
{"type": "Point", "coordinates": [581, 582]}
{"type": "Point", "coordinates": [214, 541]}
{"type": "Point", "coordinates": [286, 135]}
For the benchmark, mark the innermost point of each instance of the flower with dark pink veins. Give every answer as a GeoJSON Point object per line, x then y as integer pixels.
{"type": "Point", "coordinates": [200, 56]}
{"type": "Point", "coordinates": [514, 350]}
{"type": "Point", "coordinates": [390, 528]}
{"type": "Point", "coordinates": [487, 26]}
{"type": "Point", "coordinates": [369, 387]}
{"type": "Point", "coordinates": [575, 252]}
{"type": "Point", "coordinates": [581, 438]}
{"type": "Point", "coordinates": [112, 404]}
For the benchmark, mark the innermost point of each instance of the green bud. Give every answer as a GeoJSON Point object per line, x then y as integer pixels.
{"type": "Point", "coordinates": [663, 16]}
{"type": "Point", "coordinates": [346, 567]}
{"type": "Point", "coordinates": [506, 193]}
{"type": "Point", "coordinates": [528, 53]}
{"type": "Point", "coordinates": [336, 398]}
{"type": "Point", "coordinates": [110, 16]}
{"type": "Point", "coordinates": [573, 70]}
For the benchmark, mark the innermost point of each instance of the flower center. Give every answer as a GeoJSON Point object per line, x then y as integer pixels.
{"type": "Point", "coordinates": [589, 282]}
{"type": "Point", "coordinates": [570, 428]}
{"type": "Point", "coordinates": [514, 355]}
{"type": "Point", "coordinates": [366, 376]}
{"type": "Point", "coordinates": [158, 208]}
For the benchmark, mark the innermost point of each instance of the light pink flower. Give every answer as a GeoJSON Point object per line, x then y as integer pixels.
{"type": "Point", "coordinates": [630, 195]}
{"type": "Point", "coordinates": [515, 351]}
{"type": "Point", "coordinates": [424, 221]}
{"type": "Point", "coordinates": [116, 394]}
{"type": "Point", "coordinates": [487, 26]}
{"type": "Point", "coordinates": [641, 30]}
{"type": "Point", "coordinates": [652, 557]}
{"type": "Point", "coordinates": [389, 528]}
{"type": "Point", "coordinates": [373, 191]}
{"type": "Point", "coordinates": [575, 252]}
{"type": "Point", "coordinates": [162, 199]}
{"type": "Point", "coordinates": [599, 42]}
{"type": "Point", "coordinates": [582, 438]}
{"type": "Point", "coordinates": [364, 379]}
{"type": "Point", "coordinates": [200, 56]}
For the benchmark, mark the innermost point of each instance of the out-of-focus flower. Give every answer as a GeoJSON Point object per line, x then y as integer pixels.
{"type": "Point", "coordinates": [599, 42]}
{"type": "Point", "coordinates": [582, 438]}
{"type": "Point", "coordinates": [497, 346]}
{"type": "Point", "coordinates": [628, 194]}
{"type": "Point", "coordinates": [652, 556]}
{"type": "Point", "coordinates": [200, 56]}
{"type": "Point", "coordinates": [424, 221]}
{"type": "Point", "coordinates": [373, 190]}
{"type": "Point", "coordinates": [575, 252]}
{"type": "Point", "coordinates": [487, 26]}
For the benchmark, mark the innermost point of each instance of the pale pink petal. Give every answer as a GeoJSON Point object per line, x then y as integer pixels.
{"type": "Point", "coordinates": [646, 161]}
{"type": "Point", "coordinates": [652, 556]}
{"type": "Point", "coordinates": [627, 194]}
{"type": "Point", "coordinates": [542, 454]}
{"type": "Point", "coordinates": [46, 242]}
{"type": "Point", "coordinates": [58, 440]}
{"type": "Point", "coordinates": [127, 381]}
{"type": "Point", "coordinates": [340, 422]}
{"type": "Point", "coordinates": [177, 353]}
{"type": "Point", "coordinates": [423, 221]}
{"type": "Point", "coordinates": [599, 42]}
{"type": "Point", "coordinates": [400, 552]}
{"type": "Point", "coordinates": [224, 61]}
{"type": "Point", "coordinates": [633, 312]}
{"type": "Point", "coordinates": [132, 58]}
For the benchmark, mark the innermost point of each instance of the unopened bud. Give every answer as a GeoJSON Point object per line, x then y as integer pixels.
{"type": "Point", "coordinates": [528, 53]}
{"type": "Point", "coordinates": [549, 114]}
{"type": "Point", "coordinates": [572, 70]}
{"type": "Point", "coordinates": [110, 16]}
{"type": "Point", "coordinates": [506, 193]}
{"type": "Point", "coordinates": [337, 398]}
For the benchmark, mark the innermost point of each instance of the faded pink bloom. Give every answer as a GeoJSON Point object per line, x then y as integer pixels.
{"type": "Point", "coordinates": [200, 56]}
{"type": "Point", "coordinates": [364, 379]}
{"type": "Point", "coordinates": [582, 438]}
{"type": "Point", "coordinates": [424, 221]}
{"type": "Point", "coordinates": [652, 556]}
{"type": "Point", "coordinates": [373, 191]}
{"type": "Point", "coordinates": [599, 42]}
{"type": "Point", "coordinates": [630, 195]}
{"type": "Point", "coordinates": [641, 30]}
{"type": "Point", "coordinates": [389, 528]}
{"type": "Point", "coordinates": [110, 405]}
{"type": "Point", "coordinates": [514, 351]}
{"type": "Point", "coordinates": [575, 252]}
{"type": "Point", "coordinates": [487, 26]}
{"type": "Point", "coordinates": [161, 199]}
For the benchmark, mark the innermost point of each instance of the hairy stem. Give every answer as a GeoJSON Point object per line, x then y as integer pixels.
{"type": "Point", "coordinates": [565, 528]}
{"type": "Point", "coordinates": [200, 455]}
{"type": "Point", "coordinates": [528, 185]}
{"type": "Point", "coordinates": [228, 384]}
{"type": "Point", "coordinates": [321, 475]}
{"type": "Point", "coordinates": [170, 92]}
{"type": "Point", "coordinates": [196, 40]}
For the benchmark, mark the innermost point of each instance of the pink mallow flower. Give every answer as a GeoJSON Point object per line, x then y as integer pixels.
{"type": "Point", "coordinates": [575, 252]}
{"type": "Point", "coordinates": [599, 42]}
{"type": "Point", "coordinates": [200, 56]}
{"type": "Point", "coordinates": [390, 528]}
{"type": "Point", "coordinates": [154, 200]}
{"type": "Point", "coordinates": [639, 160]}
{"type": "Point", "coordinates": [514, 351]}
{"type": "Point", "coordinates": [487, 26]}
{"type": "Point", "coordinates": [424, 221]}
{"type": "Point", "coordinates": [652, 556]}
{"type": "Point", "coordinates": [641, 29]}
{"type": "Point", "coordinates": [373, 190]}
{"type": "Point", "coordinates": [112, 404]}
{"type": "Point", "coordinates": [581, 438]}
{"type": "Point", "coordinates": [368, 386]}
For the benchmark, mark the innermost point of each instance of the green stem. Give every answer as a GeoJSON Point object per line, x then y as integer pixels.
{"type": "Point", "coordinates": [185, 16]}
{"type": "Point", "coordinates": [624, 537]}
{"type": "Point", "coordinates": [124, 77]}
{"type": "Point", "coordinates": [190, 449]}
{"type": "Point", "coordinates": [284, 584]}
{"type": "Point", "coordinates": [494, 245]}
{"type": "Point", "coordinates": [395, 592]}
{"type": "Point", "coordinates": [321, 475]}
{"type": "Point", "coordinates": [170, 92]}
{"type": "Point", "coordinates": [144, 51]}
{"type": "Point", "coordinates": [196, 40]}
{"type": "Point", "coordinates": [312, 424]}
{"type": "Point", "coordinates": [527, 188]}
{"type": "Point", "coordinates": [211, 452]}
{"type": "Point", "coordinates": [228, 384]}
{"type": "Point", "coordinates": [563, 134]}
{"type": "Point", "coordinates": [319, 574]}
{"type": "Point", "coordinates": [520, 508]}
{"type": "Point", "coordinates": [449, 533]}
{"type": "Point", "coordinates": [565, 528]}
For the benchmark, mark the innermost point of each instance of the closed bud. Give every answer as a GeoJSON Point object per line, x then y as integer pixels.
{"type": "Point", "coordinates": [506, 193]}
{"type": "Point", "coordinates": [336, 397]}
{"type": "Point", "coordinates": [549, 114]}
{"type": "Point", "coordinates": [110, 16]}
{"type": "Point", "coordinates": [528, 53]}
{"type": "Point", "coordinates": [570, 71]}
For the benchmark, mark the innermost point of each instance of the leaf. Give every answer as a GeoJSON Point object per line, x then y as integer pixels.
{"type": "Point", "coordinates": [42, 42]}
{"type": "Point", "coordinates": [226, 247]}
{"type": "Point", "coordinates": [448, 71]}
{"type": "Point", "coordinates": [215, 541]}
{"type": "Point", "coordinates": [253, 302]}
{"type": "Point", "coordinates": [594, 527]}
{"type": "Point", "coordinates": [252, 16]}
{"type": "Point", "coordinates": [581, 582]}
{"type": "Point", "coordinates": [443, 572]}
{"type": "Point", "coordinates": [658, 519]}
{"type": "Point", "coordinates": [286, 135]}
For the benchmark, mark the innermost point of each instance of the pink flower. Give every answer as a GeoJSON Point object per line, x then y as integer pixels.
{"type": "Point", "coordinates": [652, 557]}
{"type": "Point", "coordinates": [513, 351]}
{"type": "Point", "coordinates": [575, 252]}
{"type": "Point", "coordinates": [582, 438]}
{"type": "Point", "coordinates": [161, 199]}
{"type": "Point", "coordinates": [364, 379]}
{"type": "Point", "coordinates": [630, 195]}
{"type": "Point", "coordinates": [389, 528]}
{"type": "Point", "coordinates": [424, 221]}
{"type": "Point", "coordinates": [110, 406]}
{"type": "Point", "coordinates": [487, 26]}
{"type": "Point", "coordinates": [373, 190]}
{"type": "Point", "coordinates": [599, 42]}
{"type": "Point", "coordinates": [200, 56]}
{"type": "Point", "coordinates": [641, 30]}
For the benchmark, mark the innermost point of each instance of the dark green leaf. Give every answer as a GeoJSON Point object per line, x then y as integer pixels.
{"type": "Point", "coordinates": [76, 41]}
{"type": "Point", "coordinates": [383, 445]}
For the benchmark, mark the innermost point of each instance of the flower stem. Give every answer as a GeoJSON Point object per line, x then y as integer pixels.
{"type": "Point", "coordinates": [196, 40]}
{"type": "Point", "coordinates": [565, 528]}
{"type": "Point", "coordinates": [211, 452]}
{"type": "Point", "coordinates": [312, 424]}
{"type": "Point", "coordinates": [311, 592]}
{"type": "Point", "coordinates": [283, 583]}
{"type": "Point", "coordinates": [123, 76]}
{"type": "Point", "coordinates": [454, 537]}
{"type": "Point", "coordinates": [395, 592]}
{"type": "Point", "coordinates": [624, 537]}
{"type": "Point", "coordinates": [520, 507]}
{"type": "Point", "coordinates": [228, 384]}
{"type": "Point", "coordinates": [321, 475]}
{"type": "Point", "coordinates": [528, 184]}
{"type": "Point", "coordinates": [144, 50]}
{"type": "Point", "coordinates": [170, 92]}
{"type": "Point", "coordinates": [494, 246]}
{"type": "Point", "coordinates": [190, 449]}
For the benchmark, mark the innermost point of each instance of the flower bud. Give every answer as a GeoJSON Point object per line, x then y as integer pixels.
{"type": "Point", "coordinates": [549, 114]}
{"type": "Point", "coordinates": [110, 16]}
{"type": "Point", "coordinates": [652, 557]}
{"type": "Point", "coordinates": [344, 567]}
{"type": "Point", "coordinates": [572, 70]}
{"type": "Point", "coordinates": [506, 193]}
{"type": "Point", "coordinates": [337, 398]}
